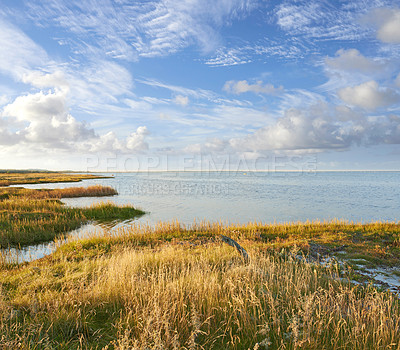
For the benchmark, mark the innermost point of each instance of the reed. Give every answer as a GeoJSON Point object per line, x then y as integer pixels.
{"type": "Point", "coordinates": [189, 293]}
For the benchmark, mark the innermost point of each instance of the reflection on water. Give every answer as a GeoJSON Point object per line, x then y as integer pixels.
{"type": "Point", "coordinates": [37, 251]}
{"type": "Point", "coordinates": [240, 197]}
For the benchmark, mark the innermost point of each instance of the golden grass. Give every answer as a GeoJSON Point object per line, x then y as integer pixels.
{"type": "Point", "coordinates": [174, 288]}
{"type": "Point", "coordinates": [27, 177]}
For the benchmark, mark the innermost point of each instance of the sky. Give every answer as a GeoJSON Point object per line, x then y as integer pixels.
{"type": "Point", "coordinates": [122, 85]}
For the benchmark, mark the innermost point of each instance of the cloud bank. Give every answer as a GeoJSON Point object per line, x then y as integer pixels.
{"type": "Point", "coordinates": [42, 121]}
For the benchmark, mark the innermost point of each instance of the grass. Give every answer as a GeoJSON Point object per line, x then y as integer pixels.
{"type": "Point", "coordinates": [32, 216]}
{"type": "Point", "coordinates": [58, 193]}
{"type": "Point", "coordinates": [10, 177]}
{"type": "Point", "coordinates": [176, 287]}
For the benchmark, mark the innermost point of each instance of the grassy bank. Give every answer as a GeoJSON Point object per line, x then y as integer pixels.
{"type": "Point", "coordinates": [32, 216]}
{"type": "Point", "coordinates": [14, 177]}
{"type": "Point", "coordinates": [172, 287]}
{"type": "Point", "coordinates": [58, 193]}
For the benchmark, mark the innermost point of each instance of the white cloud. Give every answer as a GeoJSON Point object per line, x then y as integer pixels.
{"type": "Point", "coordinates": [18, 52]}
{"type": "Point", "coordinates": [229, 57]}
{"type": "Point", "coordinates": [289, 49]}
{"type": "Point", "coordinates": [137, 105]}
{"type": "Point", "coordinates": [242, 86]}
{"type": "Point", "coordinates": [369, 95]}
{"type": "Point", "coordinates": [98, 81]}
{"type": "Point", "coordinates": [40, 79]}
{"type": "Point", "coordinates": [322, 20]}
{"type": "Point", "coordinates": [181, 100]}
{"type": "Point", "coordinates": [109, 142]}
{"type": "Point", "coordinates": [313, 129]}
{"type": "Point", "coordinates": [42, 119]}
{"type": "Point", "coordinates": [93, 81]}
{"type": "Point", "coordinates": [352, 60]}
{"type": "Point", "coordinates": [154, 28]}
{"type": "Point", "coordinates": [198, 93]}
{"type": "Point", "coordinates": [387, 22]}
{"type": "Point", "coordinates": [136, 140]}
{"type": "Point", "coordinates": [48, 121]}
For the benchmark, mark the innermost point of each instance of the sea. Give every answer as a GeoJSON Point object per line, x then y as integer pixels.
{"type": "Point", "coordinates": [243, 197]}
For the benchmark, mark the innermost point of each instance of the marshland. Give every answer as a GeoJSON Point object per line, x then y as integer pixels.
{"type": "Point", "coordinates": [174, 285]}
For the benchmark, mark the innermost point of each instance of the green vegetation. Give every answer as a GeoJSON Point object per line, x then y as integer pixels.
{"type": "Point", "coordinates": [173, 287]}
{"type": "Point", "coordinates": [32, 216]}
{"type": "Point", "coordinates": [58, 193]}
{"type": "Point", "coordinates": [17, 177]}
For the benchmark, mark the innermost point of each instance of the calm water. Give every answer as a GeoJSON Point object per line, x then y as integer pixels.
{"type": "Point", "coordinates": [242, 197]}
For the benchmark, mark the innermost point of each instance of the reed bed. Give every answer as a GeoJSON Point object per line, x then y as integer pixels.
{"type": "Point", "coordinates": [33, 216]}
{"type": "Point", "coordinates": [72, 192]}
{"type": "Point", "coordinates": [186, 294]}
{"type": "Point", "coordinates": [8, 178]}
{"type": "Point", "coordinates": [58, 193]}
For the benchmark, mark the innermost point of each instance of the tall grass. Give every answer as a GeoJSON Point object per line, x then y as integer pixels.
{"type": "Point", "coordinates": [180, 296]}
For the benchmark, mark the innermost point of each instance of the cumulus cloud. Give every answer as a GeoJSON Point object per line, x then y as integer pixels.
{"type": "Point", "coordinates": [314, 128]}
{"type": "Point", "coordinates": [369, 95]}
{"type": "Point", "coordinates": [42, 119]}
{"type": "Point", "coordinates": [317, 128]}
{"type": "Point", "coordinates": [352, 60]}
{"type": "Point", "coordinates": [136, 140]}
{"type": "Point", "coordinates": [387, 23]}
{"type": "Point", "coordinates": [242, 86]}
{"type": "Point", "coordinates": [41, 80]}
{"type": "Point", "coordinates": [47, 119]}
{"type": "Point", "coordinates": [181, 100]}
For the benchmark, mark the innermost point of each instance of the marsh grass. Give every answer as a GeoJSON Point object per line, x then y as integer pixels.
{"type": "Point", "coordinates": [10, 177]}
{"type": "Point", "coordinates": [32, 216]}
{"type": "Point", "coordinates": [377, 241]}
{"type": "Point", "coordinates": [58, 193]}
{"type": "Point", "coordinates": [171, 287]}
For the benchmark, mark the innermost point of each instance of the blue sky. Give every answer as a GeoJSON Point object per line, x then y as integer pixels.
{"type": "Point", "coordinates": [196, 84]}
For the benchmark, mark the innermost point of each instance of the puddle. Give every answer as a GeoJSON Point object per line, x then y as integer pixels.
{"type": "Point", "coordinates": [387, 278]}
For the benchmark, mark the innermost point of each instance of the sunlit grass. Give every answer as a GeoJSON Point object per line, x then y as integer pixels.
{"type": "Point", "coordinates": [172, 287]}
{"type": "Point", "coordinates": [378, 241]}
{"type": "Point", "coordinates": [8, 178]}
{"type": "Point", "coordinates": [69, 192]}
{"type": "Point", "coordinates": [31, 216]}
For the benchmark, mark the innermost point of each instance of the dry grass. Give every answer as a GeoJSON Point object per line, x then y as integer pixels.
{"type": "Point", "coordinates": [171, 288]}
